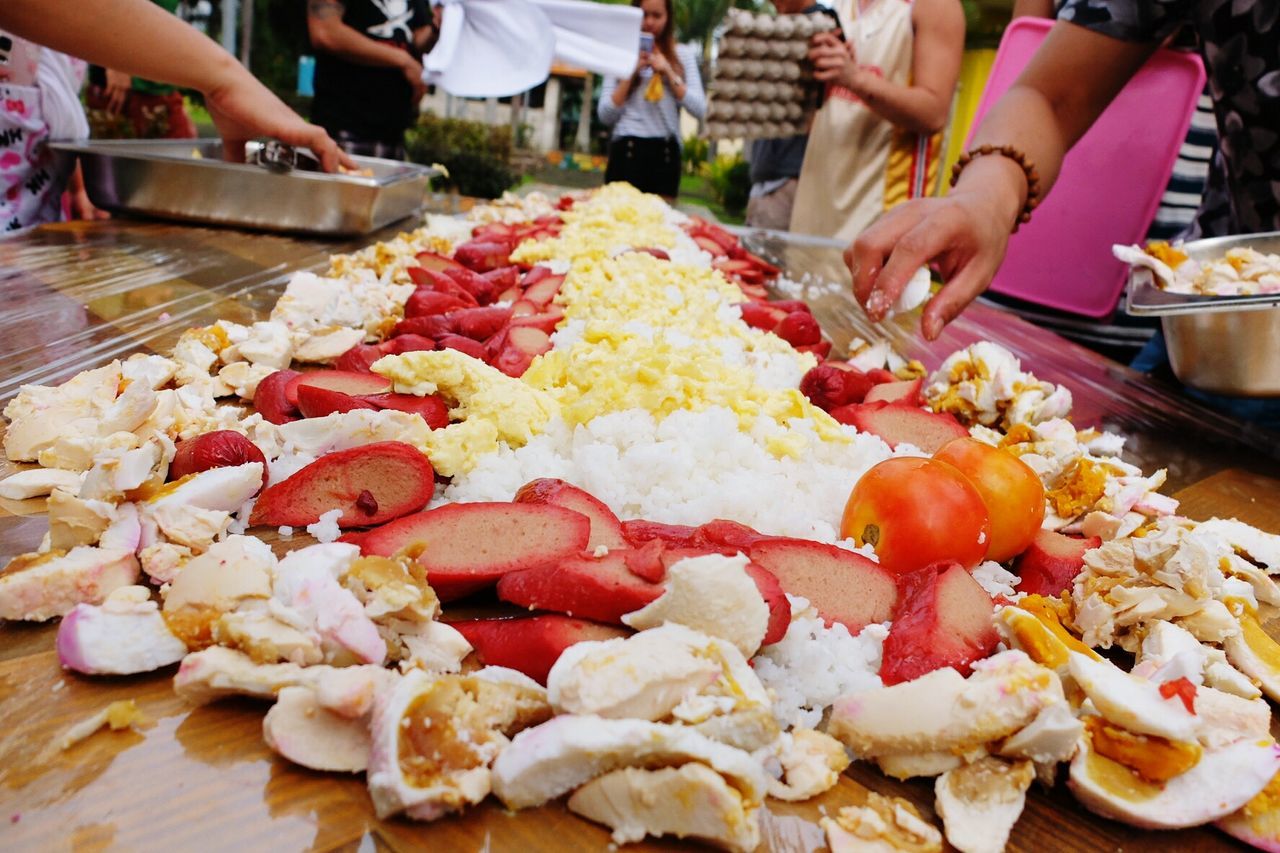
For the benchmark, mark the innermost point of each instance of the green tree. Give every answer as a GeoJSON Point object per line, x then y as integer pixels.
{"type": "Point", "coordinates": [696, 20]}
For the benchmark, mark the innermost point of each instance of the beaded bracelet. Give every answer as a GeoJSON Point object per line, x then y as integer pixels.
{"type": "Point", "coordinates": [1011, 153]}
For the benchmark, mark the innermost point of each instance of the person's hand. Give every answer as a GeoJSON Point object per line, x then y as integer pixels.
{"type": "Point", "coordinates": [833, 60]}
{"type": "Point", "coordinates": [412, 70]}
{"type": "Point", "coordinates": [78, 199]}
{"type": "Point", "coordinates": [117, 90]}
{"type": "Point", "coordinates": [963, 235]}
{"type": "Point", "coordinates": [658, 62]}
{"type": "Point", "coordinates": [243, 109]}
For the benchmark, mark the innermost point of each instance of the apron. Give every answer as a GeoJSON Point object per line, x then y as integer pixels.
{"type": "Point", "coordinates": [859, 165]}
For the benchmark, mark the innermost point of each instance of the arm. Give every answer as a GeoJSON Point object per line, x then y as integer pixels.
{"type": "Point", "coordinates": [1067, 85]}
{"type": "Point", "coordinates": [329, 35]}
{"type": "Point", "coordinates": [691, 95]}
{"type": "Point", "coordinates": [1032, 9]}
{"type": "Point", "coordinates": [923, 104]}
{"type": "Point", "coordinates": [609, 110]}
{"type": "Point", "coordinates": [148, 42]}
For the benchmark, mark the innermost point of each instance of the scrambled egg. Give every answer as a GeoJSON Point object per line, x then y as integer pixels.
{"type": "Point", "coordinates": [618, 217]}
{"type": "Point", "coordinates": [490, 405]}
{"type": "Point", "coordinates": [659, 336]}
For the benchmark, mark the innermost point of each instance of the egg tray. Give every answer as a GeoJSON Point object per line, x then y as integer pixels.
{"type": "Point", "coordinates": [762, 83]}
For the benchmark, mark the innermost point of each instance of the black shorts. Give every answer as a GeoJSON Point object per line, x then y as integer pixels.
{"type": "Point", "coordinates": [650, 164]}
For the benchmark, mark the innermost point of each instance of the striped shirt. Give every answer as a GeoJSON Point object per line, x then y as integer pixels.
{"type": "Point", "coordinates": [654, 119]}
{"type": "Point", "coordinates": [1183, 194]}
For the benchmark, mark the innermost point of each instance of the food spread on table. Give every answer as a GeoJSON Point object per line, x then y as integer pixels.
{"type": "Point", "coordinates": [1241, 271]}
{"type": "Point", "coordinates": [741, 564]}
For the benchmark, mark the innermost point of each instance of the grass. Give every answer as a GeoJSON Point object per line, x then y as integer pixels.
{"type": "Point", "coordinates": [696, 189]}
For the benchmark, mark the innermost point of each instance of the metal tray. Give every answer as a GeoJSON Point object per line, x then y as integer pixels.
{"type": "Point", "coordinates": [189, 180]}
{"type": "Point", "coordinates": [1221, 344]}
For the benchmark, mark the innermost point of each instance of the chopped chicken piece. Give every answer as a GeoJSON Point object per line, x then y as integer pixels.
{"type": "Point", "coordinates": [243, 377]}
{"type": "Point", "coordinates": [38, 482]}
{"type": "Point", "coordinates": [883, 825]}
{"type": "Point", "coordinates": [811, 763]}
{"type": "Point", "coordinates": [268, 345]}
{"type": "Point", "coordinates": [1048, 739]}
{"type": "Point", "coordinates": [112, 476]}
{"type": "Point", "coordinates": [266, 639]}
{"type": "Point", "coordinates": [163, 561]}
{"type": "Point", "coordinates": [319, 345]}
{"type": "Point", "coordinates": [306, 583]}
{"type": "Point", "coordinates": [154, 371]}
{"type": "Point", "coordinates": [124, 635]}
{"type": "Point", "coordinates": [392, 589]}
{"type": "Point", "coordinates": [1132, 703]}
{"type": "Point", "coordinates": [191, 526]}
{"type": "Point", "coordinates": [216, 582]}
{"type": "Point", "coordinates": [642, 677]}
{"type": "Point", "coordinates": [980, 802]}
{"type": "Point", "coordinates": [911, 765]}
{"type": "Point", "coordinates": [77, 452]}
{"type": "Point", "coordinates": [560, 755]}
{"type": "Point", "coordinates": [303, 731]}
{"type": "Point", "coordinates": [223, 489]}
{"type": "Point", "coordinates": [433, 740]}
{"type": "Point", "coordinates": [121, 714]}
{"type": "Point", "coordinates": [432, 647]}
{"type": "Point", "coordinates": [216, 672]}
{"type": "Point", "coordinates": [944, 711]}
{"type": "Point", "coordinates": [692, 801]}
{"type": "Point", "coordinates": [342, 430]}
{"type": "Point", "coordinates": [74, 521]}
{"type": "Point", "coordinates": [40, 415]}
{"type": "Point", "coordinates": [712, 594]}
{"type": "Point", "coordinates": [36, 587]}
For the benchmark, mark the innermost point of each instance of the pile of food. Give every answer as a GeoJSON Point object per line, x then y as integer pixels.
{"type": "Point", "coordinates": [1240, 271]}
{"type": "Point", "coordinates": [721, 565]}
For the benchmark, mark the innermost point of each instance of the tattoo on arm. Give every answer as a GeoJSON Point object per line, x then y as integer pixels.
{"type": "Point", "coordinates": [324, 8]}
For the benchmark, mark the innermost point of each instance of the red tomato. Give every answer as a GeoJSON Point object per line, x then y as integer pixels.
{"type": "Point", "coordinates": [1012, 492]}
{"type": "Point", "coordinates": [916, 512]}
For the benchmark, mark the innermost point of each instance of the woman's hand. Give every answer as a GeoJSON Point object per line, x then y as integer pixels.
{"type": "Point", "coordinates": [833, 60]}
{"type": "Point", "coordinates": [243, 109]}
{"type": "Point", "coordinates": [658, 62]}
{"type": "Point", "coordinates": [963, 235]}
{"type": "Point", "coordinates": [412, 70]}
{"type": "Point", "coordinates": [117, 90]}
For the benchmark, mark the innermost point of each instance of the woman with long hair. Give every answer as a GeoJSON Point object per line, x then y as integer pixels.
{"type": "Point", "coordinates": [644, 109]}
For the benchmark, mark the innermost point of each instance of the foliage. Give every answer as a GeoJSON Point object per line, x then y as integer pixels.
{"type": "Point", "coordinates": [730, 179]}
{"type": "Point", "coordinates": [477, 155]}
{"type": "Point", "coordinates": [696, 151]}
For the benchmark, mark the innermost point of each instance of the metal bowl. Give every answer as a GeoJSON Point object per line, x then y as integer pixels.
{"type": "Point", "coordinates": [1221, 344]}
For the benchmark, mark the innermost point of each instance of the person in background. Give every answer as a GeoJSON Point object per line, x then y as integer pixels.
{"type": "Point", "coordinates": [125, 107]}
{"type": "Point", "coordinates": [875, 142]}
{"type": "Point", "coordinates": [39, 89]}
{"type": "Point", "coordinates": [775, 163]}
{"type": "Point", "coordinates": [644, 109]}
{"type": "Point", "coordinates": [368, 70]}
{"type": "Point", "coordinates": [1086, 59]}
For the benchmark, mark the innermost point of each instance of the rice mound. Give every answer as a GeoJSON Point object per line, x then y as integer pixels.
{"type": "Point", "coordinates": [688, 468]}
{"type": "Point", "coordinates": [813, 665]}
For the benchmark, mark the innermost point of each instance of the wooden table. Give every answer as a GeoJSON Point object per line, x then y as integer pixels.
{"type": "Point", "coordinates": [202, 779]}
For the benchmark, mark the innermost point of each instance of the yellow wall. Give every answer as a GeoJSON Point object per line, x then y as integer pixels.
{"type": "Point", "coordinates": [974, 71]}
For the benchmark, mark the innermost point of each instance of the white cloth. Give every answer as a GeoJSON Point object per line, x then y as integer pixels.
{"type": "Point", "coordinates": [498, 48]}
{"type": "Point", "coordinates": [59, 78]}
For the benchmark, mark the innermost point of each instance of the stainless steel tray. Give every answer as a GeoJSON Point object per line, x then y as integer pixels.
{"type": "Point", "coordinates": [189, 180]}
{"type": "Point", "coordinates": [1145, 299]}
{"type": "Point", "coordinates": [1222, 344]}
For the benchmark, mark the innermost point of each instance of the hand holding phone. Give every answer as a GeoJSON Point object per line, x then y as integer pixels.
{"type": "Point", "coordinates": [646, 42]}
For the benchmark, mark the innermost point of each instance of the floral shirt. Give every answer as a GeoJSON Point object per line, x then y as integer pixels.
{"type": "Point", "coordinates": [1240, 45]}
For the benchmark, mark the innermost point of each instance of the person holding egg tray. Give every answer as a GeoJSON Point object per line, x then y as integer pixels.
{"type": "Point", "coordinates": [644, 109]}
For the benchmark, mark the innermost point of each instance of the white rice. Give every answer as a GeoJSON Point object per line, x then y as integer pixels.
{"type": "Point", "coordinates": [992, 577]}
{"type": "Point", "coordinates": [813, 665]}
{"type": "Point", "coordinates": [689, 468]}
{"type": "Point", "coordinates": [326, 529]}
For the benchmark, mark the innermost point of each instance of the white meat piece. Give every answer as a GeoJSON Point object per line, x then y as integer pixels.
{"type": "Point", "coordinates": [222, 489]}
{"type": "Point", "coordinates": [1132, 703]}
{"type": "Point", "coordinates": [266, 639]}
{"type": "Point", "coordinates": [944, 711]}
{"type": "Point", "coordinates": [980, 802]}
{"type": "Point", "coordinates": [323, 345]}
{"type": "Point", "coordinates": [268, 345]}
{"type": "Point", "coordinates": [342, 430]}
{"type": "Point", "coordinates": [112, 476]}
{"type": "Point", "coordinates": [130, 410]}
{"type": "Point", "coordinates": [1048, 739]}
{"type": "Point", "coordinates": [38, 482]}
{"type": "Point", "coordinates": [811, 762]}
{"type": "Point", "coordinates": [231, 571]}
{"type": "Point", "coordinates": [191, 526]}
{"type": "Point", "coordinates": [78, 452]}
{"type": "Point", "coordinates": [640, 677]}
{"type": "Point", "coordinates": [912, 765]}
{"type": "Point", "coordinates": [691, 801]}
{"type": "Point", "coordinates": [304, 732]}
{"type": "Point", "coordinates": [243, 377]}
{"type": "Point", "coordinates": [435, 647]}
{"type": "Point", "coordinates": [40, 415]}
{"type": "Point", "coordinates": [712, 594]}
{"type": "Point", "coordinates": [154, 371]}
{"type": "Point", "coordinates": [74, 521]}
{"type": "Point", "coordinates": [36, 587]}
{"type": "Point", "coordinates": [162, 562]}
{"type": "Point", "coordinates": [882, 825]}
{"type": "Point", "coordinates": [125, 530]}
{"type": "Point", "coordinates": [566, 752]}
{"type": "Point", "coordinates": [1262, 548]}
{"type": "Point", "coordinates": [306, 581]}
{"type": "Point", "coordinates": [124, 635]}
{"type": "Point", "coordinates": [216, 672]}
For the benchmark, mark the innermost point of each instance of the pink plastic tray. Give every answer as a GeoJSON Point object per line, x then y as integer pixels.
{"type": "Point", "coordinates": [1110, 185]}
